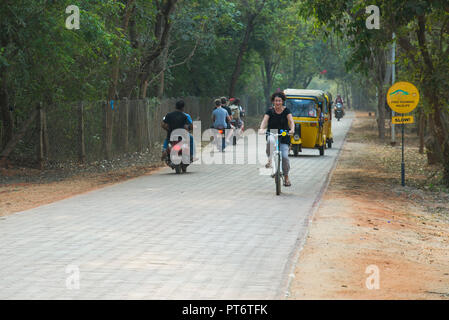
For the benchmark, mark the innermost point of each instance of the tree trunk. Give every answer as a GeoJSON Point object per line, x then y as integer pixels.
{"type": "Point", "coordinates": [107, 131]}
{"type": "Point", "coordinates": [7, 117]}
{"type": "Point", "coordinates": [163, 66]}
{"type": "Point", "coordinates": [112, 92]}
{"type": "Point", "coordinates": [16, 138]}
{"type": "Point", "coordinates": [40, 146]}
{"type": "Point", "coordinates": [442, 137]}
{"type": "Point", "coordinates": [251, 22]}
{"type": "Point", "coordinates": [307, 81]}
{"type": "Point", "coordinates": [243, 47]}
{"type": "Point", "coordinates": [441, 125]}
{"type": "Point", "coordinates": [163, 27]}
{"type": "Point", "coordinates": [81, 144]}
{"type": "Point", "coordinates": [292, 73]}
{"type": "Point", "coordinates": [268, 70]}
{"type": "Point", "coordinates": [346, 95]}
{"type": "Point", "coordinates": [355, 96]}
{"type": "Point", "coordinates": [381, 112]}
{"type": "Point", "coordinates": [432, 148]}
{"type": "Point", "coordinates": [421, 130]}
{"type": "Point", "coordinates": [383, 77]}
{"type": "Point", "coordinates": [124, 126]}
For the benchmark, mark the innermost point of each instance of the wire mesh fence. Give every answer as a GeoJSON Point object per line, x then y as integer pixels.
{"type": "Point", "coordinates": [102, 130]}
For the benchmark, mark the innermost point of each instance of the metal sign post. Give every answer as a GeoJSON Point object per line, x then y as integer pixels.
{"type": "Point", "coordinates": [403, 97]}
{"type": "Point", "coordinates": [393, 80]}
{"type": "Point", "coordinates": [403, 161]}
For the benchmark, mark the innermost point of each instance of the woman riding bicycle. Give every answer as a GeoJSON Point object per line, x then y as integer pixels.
{"type": "Point", "coordinates": [279, 118]}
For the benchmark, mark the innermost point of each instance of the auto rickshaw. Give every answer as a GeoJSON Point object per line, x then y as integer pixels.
{"type": "Point", "coordinates": [307, 110]}
{"type": "Point", "coordinates": [328, 120]}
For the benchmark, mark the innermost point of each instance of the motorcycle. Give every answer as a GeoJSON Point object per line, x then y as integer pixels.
{"type": "Point", "coordinates": [220, 139]}
{"type": "Point", "coordinates": [238, 130]}
{"type": "Point", "coordinates": [339, 111]}
{"type": "Point", "coordinates": [178, 156]}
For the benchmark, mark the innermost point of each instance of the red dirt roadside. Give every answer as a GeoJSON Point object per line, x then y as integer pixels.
{"type": "Point", "coordinates": [366, 218]}
{"type": "Point", "coordinates": [16, 197]}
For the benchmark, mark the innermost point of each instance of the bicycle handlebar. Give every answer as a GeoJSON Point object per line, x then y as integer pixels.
{"type": "Point", "coordinates": [283, 133]}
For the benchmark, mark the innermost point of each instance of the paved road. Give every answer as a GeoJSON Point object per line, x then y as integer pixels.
{"type": "Point", "coordinates": [218, 232]}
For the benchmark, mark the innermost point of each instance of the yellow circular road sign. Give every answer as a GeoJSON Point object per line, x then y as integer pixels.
{"type": "Point", "coordinates": [403, 97]}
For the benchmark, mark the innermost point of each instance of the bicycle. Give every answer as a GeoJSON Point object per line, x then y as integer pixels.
{"type": "Point", "coordinates": [277, 173]}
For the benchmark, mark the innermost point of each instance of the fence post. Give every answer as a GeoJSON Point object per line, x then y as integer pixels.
{"type": "Point", "coordinates": [155, 121]}
{"type": "Point", "coordinates": [138, 126]}
{"type": "Point", "coordinates": [124, 125]}
{"type": "Point", "coordinates": [45, 134]}
{"type": "Point", "coordinates": [40, 152]}
{"type": "Point", "coordinates": [147, 124]}
{"type": "Point", "coordinates": [107, 131]}
{"type": "Point", "coordinates": [81, 144]}
{"type": "Point", "coordinates": [144, 124]}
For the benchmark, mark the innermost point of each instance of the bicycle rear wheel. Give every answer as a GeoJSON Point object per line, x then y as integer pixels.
{"type": "Point", "coordinates": [277, 176]}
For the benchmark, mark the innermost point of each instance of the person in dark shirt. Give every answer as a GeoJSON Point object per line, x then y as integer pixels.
{"type": "Point", "coordinates": [279, 118]}
{"type": "Point", "coordinates": [230, 127]}
{"type": "Point", "coordinates": [174, 120]}
{"type": "Point", "coordinates": [224, 105]}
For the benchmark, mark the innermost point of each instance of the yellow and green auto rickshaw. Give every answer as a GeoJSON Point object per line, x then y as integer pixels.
{"type": "Point", "coordinates": [307, 110]}
{"type": "Point", "coordinates": [328, 120]}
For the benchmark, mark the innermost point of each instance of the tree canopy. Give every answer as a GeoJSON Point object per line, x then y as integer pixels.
{"type": "Point", "coordinates": [165, 48]}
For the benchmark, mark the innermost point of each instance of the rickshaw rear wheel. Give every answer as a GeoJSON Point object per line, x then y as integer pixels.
{"type": "Point", "coordinates": [329, 144]}
{"type": "Point", "coordinates": [296, 149]}
{"type": "Point", "coordinates": [321, 148]}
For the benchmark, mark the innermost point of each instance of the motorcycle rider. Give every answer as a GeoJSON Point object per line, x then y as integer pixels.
{"type": "Point", "coordinates": [236, 121]}
{"type": "Point", "coordinates": [237, 112]}
{"type": "Point", "coordinates": [220, 119]}
{"type": "Point", "coordinates": [339, 99]}
{"type": "Point", "coordinates": [339, 104]}
{"type": "Point", "coordinates": [176, 120]}
{"type": "Point", "coordinates": [224, 105]}
{"type": "Point", "coordinates": [242, 111]}
{"type": "Point", "coordinates": [192, 144]}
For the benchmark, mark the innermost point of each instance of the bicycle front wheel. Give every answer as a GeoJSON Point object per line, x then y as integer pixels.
{"type": "Point", "coordinates": [277, 176]}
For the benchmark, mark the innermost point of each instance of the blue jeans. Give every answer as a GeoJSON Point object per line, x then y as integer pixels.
{"type": "Point", "coordinates": [284, 149]}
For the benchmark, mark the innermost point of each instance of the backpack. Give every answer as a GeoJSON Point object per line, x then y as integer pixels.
{"type": "Point", "coordinates": [235, 112]}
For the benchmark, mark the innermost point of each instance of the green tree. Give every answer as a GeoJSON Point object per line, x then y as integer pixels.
{"type": "Point", "coordinates": [422, 31]}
